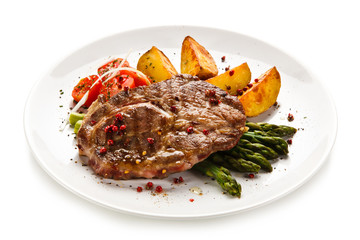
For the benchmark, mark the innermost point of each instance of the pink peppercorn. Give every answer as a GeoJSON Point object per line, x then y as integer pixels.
{"type": "Point", "coordinates": [103, 150]}
{"type": "Point", "coordinates": [110, 142]}
{"type": "Point", "coordinates": [190, 130]}
{"type": "Point", "coordinates": [158, 189]}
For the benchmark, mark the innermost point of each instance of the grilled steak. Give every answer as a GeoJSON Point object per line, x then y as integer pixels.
{"type": "Point", "coordinates": [153, 131]}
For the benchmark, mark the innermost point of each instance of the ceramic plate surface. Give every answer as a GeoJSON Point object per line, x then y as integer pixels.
{"type": "Point", "coordinates": [301, 95]}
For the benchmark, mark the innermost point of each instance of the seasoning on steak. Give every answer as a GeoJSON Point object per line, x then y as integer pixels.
{"type": "Point", "coordinates": [156, 130]}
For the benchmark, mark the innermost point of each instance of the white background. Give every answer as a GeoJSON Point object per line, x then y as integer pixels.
{"type": "Point", "coordinates": [35, 35]}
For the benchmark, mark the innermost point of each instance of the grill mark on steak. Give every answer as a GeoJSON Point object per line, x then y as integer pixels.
{"type": "Point", "coordinates": [147, 113]}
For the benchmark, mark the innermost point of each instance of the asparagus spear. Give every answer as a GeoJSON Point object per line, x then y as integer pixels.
{"type": "Point", "coordinates": [253, 157]}
{"type": "Point", "coordinates": [272, 129]}
{"type": "Point", "coordinates": [267, 152]}
{"type": "Point", "coordinates": [237, 164]}
{"type": "Point", "coordinates": [262, 142]}
{"type": "Point", "coordinates": [222, 176]}
{"type": "Point", "coordinates": [276, 143]}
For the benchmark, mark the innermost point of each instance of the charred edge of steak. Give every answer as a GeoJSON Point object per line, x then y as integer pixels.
{"type": "Point", "coordinates": [169, 127]}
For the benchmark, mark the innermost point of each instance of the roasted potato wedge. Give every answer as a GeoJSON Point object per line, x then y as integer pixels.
{"type": "Point", "coordinates": [232, 80]}
{"type": "Point", "coordinates": [263, 93]}
{"type": "Point", "coordinates": [155, 64]}
{"type": "Point", "coordinates": [196, 60]}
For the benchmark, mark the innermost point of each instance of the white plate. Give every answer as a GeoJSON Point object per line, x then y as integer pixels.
{"type": "Point", "coordinates": [301, 95]}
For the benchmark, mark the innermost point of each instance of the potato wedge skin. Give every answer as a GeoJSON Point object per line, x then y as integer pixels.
{"type": "Point", "coordinates": [263, 94]}
{"type": "Point", "coordinates": [233, 79]}
{"type": "Point", "coordinates": [196, 60]}
{"type": "Point", "coordinates": [155, 64]}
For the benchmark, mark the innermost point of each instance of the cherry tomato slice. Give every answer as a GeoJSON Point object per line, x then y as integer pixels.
{"type": "Point", "coordinates": [93, 93]}
{"type": "Point", "coordinates": [139, 80]}
{"type": "Point", "coordinates": [110, 88]}
{"type": "Point", "coordinates": [117, 84]}
{"type": "Point", "coordinates": [83, 86]}
{"type": "Point", "coordinates": [111, 65]}
{"type": "Point", "coordinates": [129, 82]}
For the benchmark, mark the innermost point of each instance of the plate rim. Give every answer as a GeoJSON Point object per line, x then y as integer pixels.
{"type": "Point", "coordinates": [284, 192]}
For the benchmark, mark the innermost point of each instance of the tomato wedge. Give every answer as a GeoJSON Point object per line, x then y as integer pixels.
{"type": "Point", "coordinates": [83, 86]}
{"type": "Point", "coordinates": [110, 88]}
{"type": "Point", "coordinates": [129, 82]}
{"type": "Point", "coordinates": [93, 93]}
{"type": "Point", "coordinates": [111, 65]}
{"type": "Point", "coordinates": [139, 80]}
